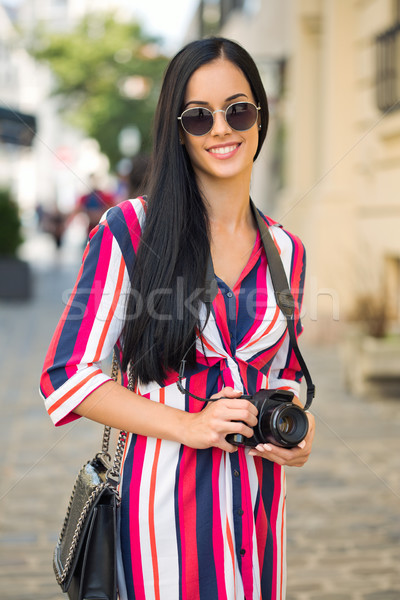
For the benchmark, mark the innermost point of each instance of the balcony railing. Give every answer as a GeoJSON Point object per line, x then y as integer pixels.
{"type": "Point", "coordinates": [214, 14]}
{"type": "Point", "coordinates": [388, 69]}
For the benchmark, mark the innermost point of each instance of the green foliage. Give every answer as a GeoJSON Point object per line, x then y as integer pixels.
{"type": "Point", "coordinates": [98, 67]}
{"type": "Point", "coordinates": [10, 225]}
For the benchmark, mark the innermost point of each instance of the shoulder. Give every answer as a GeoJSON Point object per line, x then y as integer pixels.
{"type": "Point", "coordinates": [120, 229]}
{"type": "Point", "coordinates": [128, 214]}
{"type": "Point", "coordinates": [292, 253]}
{"type": "Point", "coordinates": [284, 239]}
{"type": "Point", "coordinates": [125, 221]}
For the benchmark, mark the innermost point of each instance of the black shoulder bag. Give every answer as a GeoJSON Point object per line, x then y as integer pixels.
{"type": "Point", "coordinates": [85, 555]}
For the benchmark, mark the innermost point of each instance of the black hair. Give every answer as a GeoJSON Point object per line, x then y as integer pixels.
{"type": "Point", "coordinates": [163, 309]}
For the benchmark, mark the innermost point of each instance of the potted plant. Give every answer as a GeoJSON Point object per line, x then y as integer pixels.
{"type": "Point", "coordinates": [15, 276]}
{"type": "Point", "coordinates": [371, 350]}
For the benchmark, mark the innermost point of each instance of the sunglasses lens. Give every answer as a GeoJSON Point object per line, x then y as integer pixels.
{"type": "Point", "coordinates": [241, 116]}
{"type": "Point", "coordinates": [197, 121]}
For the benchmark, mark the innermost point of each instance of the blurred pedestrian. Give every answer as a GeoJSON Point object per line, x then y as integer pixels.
{"type": "Point", "coordinates": [52, 221]}
{"type": "Point", "coordinates": [131, 177]}
{"type": "Point", "coordinates": [94, 203]}
{"type": "Point", "coordinates": [201, 518]}
{"type": "Point", "coordinates": [137, 175]}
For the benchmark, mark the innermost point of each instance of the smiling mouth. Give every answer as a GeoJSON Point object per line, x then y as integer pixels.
{"type": "Point", "coordinates": [223, 149]}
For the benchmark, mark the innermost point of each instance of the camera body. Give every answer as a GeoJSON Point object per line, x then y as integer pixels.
{"type": "Point", "coordinates": [280, 422]}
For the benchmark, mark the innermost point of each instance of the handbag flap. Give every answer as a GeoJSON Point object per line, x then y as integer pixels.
{"type": "Point", "coordinates": [90, 486]}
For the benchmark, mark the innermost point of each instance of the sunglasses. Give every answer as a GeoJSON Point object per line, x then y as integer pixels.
{"type": "Point", "coordinates": [240, 116]}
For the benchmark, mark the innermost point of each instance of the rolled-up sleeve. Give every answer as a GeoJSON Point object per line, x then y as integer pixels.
{"type": "Point", "coordinates": [93, 319]}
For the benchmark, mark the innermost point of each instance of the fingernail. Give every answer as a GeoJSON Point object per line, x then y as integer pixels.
{"type": "Point", "coordinates": [302, 444]}
{"type": "Point", "coordinates": [262, 447]}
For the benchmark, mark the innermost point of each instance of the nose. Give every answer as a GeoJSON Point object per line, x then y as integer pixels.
{"type": "Point", "coordinates": [220, 125]}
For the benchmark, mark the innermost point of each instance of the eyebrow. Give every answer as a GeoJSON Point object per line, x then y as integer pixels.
{"type": "Point", "coordinates": [202, 103]}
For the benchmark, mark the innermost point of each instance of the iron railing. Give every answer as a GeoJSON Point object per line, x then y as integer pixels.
{"type": "Point", "coordinates": [388, 69]}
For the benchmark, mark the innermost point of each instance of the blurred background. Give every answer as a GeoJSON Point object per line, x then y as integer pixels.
{"type": "Point", "coordinates": [79, 82]}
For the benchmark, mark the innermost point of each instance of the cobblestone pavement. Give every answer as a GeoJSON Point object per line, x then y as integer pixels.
{"type": "Point", "coordinates": [343, 506]}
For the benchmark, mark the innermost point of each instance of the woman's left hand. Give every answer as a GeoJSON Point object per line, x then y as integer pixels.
{"type": "Point", "coordinates": [291, 457]}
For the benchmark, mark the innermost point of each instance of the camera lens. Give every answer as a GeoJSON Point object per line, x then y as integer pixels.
{"type": "Point", "coordinates": [286, 424]}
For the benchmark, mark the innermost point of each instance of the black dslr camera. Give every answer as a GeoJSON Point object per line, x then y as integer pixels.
{"type": "Point", "coordinates": [280, 422]}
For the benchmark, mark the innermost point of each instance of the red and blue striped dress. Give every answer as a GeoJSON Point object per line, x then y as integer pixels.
{"type": "Point", "coordinates": [195, 524]}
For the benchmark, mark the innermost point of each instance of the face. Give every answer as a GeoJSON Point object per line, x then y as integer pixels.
{"type": "Point", "coordinates": [222, 153]}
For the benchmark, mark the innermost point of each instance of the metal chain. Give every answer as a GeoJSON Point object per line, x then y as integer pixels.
{"type": "Point", "coordinates": [113, 478]}
{"type": "Point", "coordinates": [114, 474]}
{"type": "Point", "coordinates": [61, 577]}
{"type": "Point", "coordinates": [107, 428]}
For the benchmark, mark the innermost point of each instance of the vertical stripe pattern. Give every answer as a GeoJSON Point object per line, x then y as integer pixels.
{"type": "Point", "coordinates": [195, 524]}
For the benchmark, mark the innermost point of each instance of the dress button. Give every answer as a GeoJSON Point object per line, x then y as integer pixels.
{"type": "Point", "coordinates": [240, 512]}
{"type": "Point", "coordinates": [229, 294]}
{"type": "Point", "coordinates": [242, 552]}
{"type": "Point", "coordinates": [236, 473]}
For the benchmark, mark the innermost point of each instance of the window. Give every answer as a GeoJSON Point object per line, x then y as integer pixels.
{"type": "Point", "coordinates": [388, 64]}
{"type": "Point", "coordinates": [392, 287]}
{"type": "Point", "coordinates": [215, 13]}
{"type": "Point", "coordinates": [396, 11]}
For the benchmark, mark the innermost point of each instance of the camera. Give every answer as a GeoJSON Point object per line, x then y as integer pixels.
{"type": "Point", "coordinates": [280, 422]}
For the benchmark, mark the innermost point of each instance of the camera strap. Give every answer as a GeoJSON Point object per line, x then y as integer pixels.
{"type": "Point", "coordinates": [284, 300]}
{"type": "Point", "coordinates": [284, 297]}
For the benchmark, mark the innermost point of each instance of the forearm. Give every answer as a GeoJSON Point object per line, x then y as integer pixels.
{"type": "Point", "coordinates": [114, 405]}
{"type": "Point", "coordinates": [120, 408]}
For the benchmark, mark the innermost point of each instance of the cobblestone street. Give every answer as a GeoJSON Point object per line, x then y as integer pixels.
{"type": "Point", "coordinates": [343, 516]}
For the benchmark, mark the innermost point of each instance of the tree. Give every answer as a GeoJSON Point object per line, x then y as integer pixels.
{"type": "Point", "coordinates": [107, 75]}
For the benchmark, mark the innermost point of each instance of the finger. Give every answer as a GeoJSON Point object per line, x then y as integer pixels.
{"type": "Point", "coordinates": [239, 427]}
{"type": "Point", "coordinates": [228, 447]}
{"type": "Point", "coordinates": [223, 420]}
{"type": "Point", "coordinates": [243, 415]}
{"type": "Point", "coordinates": [236, 405]}
{"type": "Point", "coordinates": [294, 457]}
{"type": "Point", "coordinates": [225, 411]}
{"type": "Point", "coordinates": [227, 392]}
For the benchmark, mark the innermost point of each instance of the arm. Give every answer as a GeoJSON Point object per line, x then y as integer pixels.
{"type": "Point", "coordinates": [73, 383]}
{"type": "Point", "coordinates": [119, 407]}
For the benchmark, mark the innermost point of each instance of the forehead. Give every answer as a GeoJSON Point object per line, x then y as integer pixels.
{"type": "Point", "coordinates": [216, 81]}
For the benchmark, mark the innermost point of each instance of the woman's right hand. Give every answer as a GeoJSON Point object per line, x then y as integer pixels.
{"type": "Point", "coordinates": [228, 414]}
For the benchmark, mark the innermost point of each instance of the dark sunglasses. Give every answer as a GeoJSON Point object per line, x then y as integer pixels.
{"type": "Point", "coordinates": [198, 120]}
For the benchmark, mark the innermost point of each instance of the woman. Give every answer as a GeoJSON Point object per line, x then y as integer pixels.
{"type": "Point", "coordinates": [201, 518]}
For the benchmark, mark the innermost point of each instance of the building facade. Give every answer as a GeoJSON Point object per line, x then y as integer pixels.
{"type": "Point", "coordinates": [17, 111]}
{"type": "Point", "coordinates": [334, 148]}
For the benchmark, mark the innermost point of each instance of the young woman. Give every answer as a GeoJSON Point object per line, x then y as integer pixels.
{"type": "Point", "coordinates": [201, 518]}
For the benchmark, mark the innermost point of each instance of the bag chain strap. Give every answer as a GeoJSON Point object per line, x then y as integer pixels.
{"type": "Point", "coordinates": [114, 473]}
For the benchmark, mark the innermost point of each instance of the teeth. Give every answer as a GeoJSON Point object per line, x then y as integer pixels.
{"type": "Point", "coordinates": [224, 150]}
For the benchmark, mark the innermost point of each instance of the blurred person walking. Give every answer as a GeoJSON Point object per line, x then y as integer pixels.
{"type": "Point", "coordinates": [93, 204]}
{"type": "Point", "coordinates": [201, 518]}
{"type": "Point", "coordinates": [132, 174]}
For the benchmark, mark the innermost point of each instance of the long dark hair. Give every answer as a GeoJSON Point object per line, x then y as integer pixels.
{"type": "Point", "coordinates": [162, 311]}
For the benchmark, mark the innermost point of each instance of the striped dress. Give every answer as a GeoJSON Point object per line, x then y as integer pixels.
{"type": "Point", "coordinates": [195, 524]}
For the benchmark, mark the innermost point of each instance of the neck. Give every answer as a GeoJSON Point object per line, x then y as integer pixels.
{"type": "Point", "coordinates": [228, 203]}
